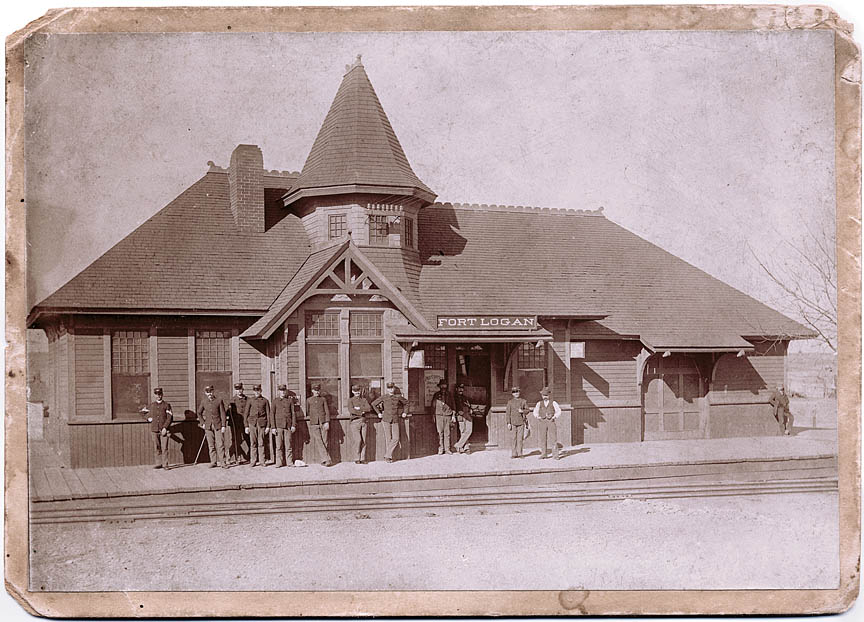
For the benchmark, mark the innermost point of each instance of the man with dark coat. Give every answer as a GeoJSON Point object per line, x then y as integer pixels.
{"type": "Point", "coordinates": [211, 417]}
{"type": "Point", "coordinates": [443, 411]}
{"type": "Point", "coordinates": [358, 406]}
{"type": "Point", "coordinates": [390, 408]}
{"type": "Point", "coordinates": [780, 403]}
{"type": "Point", "coordinates": [318, 413]}
{"type": "Point", "coordinates": [283, 423]}
{"type": "Point", "coordinates": [517, 409]}
{"type": "Point", "coordinates": [236, 413]}
{"type": "Point", "coordinates": [463, 415]}
{"type": "Point", "coordinates": [257, 420]}
{"type": "Point", "coordinates": [160, 415]}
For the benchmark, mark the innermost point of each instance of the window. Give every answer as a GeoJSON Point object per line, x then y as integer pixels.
{"type": "Point", "coordinates": [366, 324]}
{"type": "Point", "coordinates": [322, 367]}
{"type": "Point", "coordinates": [408, 232]}
{"type": "Point", "coordinates": [322, 324]}
{"type": "Point", "coordinates": [531, 357]}
{"type": "Point", "coordinates": [212, 350]}
{"type": "Point", "coordinates": [365, 362]}
{"type": "Point", "coordinates": [435, 356]}
{"type": "Point", "coordinates": [130, 372]}
{"type": "Point", "coordinates": [338, 225]}
{"type": "Point", "coordinates": [527, 370]}
{"type": "Point", "coordinates": [378, 229]}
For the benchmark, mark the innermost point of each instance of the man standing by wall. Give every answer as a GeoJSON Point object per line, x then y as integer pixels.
{"type": "Point", "coordinates": [463, 415]}
{"type": "Point", "coordinates": [547, 412]}
{"type": "Point", "coordinates": [160, 421]}
{"type": "Point", "coordinates": [237, 411]}
{"type": "Point", "coordinates": [391, 408]}
{"type": "Point", "coordinates": [443, 411]}
{"type": "Point", "coordinates": [319, 423]}
{"type": "Point", "coordinates": [780, 402]}
{"type": "Point", "coordinates": [358, 406]}
{"type": "Point", "coordinates": [283, 423]}
{"type": "Point", "coordinates": [211, 417]}
{"type": "Point", "coordinates": [257, 426]}
{"type": "Point", "coordinates": [517, 409]}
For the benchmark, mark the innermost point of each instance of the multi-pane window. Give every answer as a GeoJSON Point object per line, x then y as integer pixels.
{"type": "Point", "coordinates": [212, 350]}
{"type": "Point", "coordinates": [434, 356]}
{"type": "Point", "coordinates": [408, 232]}
{"type": "Point", "coordinates": [322, 324]}
{"type": "Point", "coordinates": [337, 225]}
{"type": "Point", "coordinates": [531, 357]}
{"type": "Point", "coordinates": [130, 372]}
{"type": "Point", "coordinates": [366, 324]}
{"type": "Point", "coordinates": [378, 229]}
{"type": "Point", "coordinates": [130, 352]}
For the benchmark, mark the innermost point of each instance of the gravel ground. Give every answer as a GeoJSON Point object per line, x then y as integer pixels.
{"type": "Point", "coordinates": [784, 541]}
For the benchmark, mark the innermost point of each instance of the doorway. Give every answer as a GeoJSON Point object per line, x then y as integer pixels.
{"type": "Point", "coordinates": [473, 369]}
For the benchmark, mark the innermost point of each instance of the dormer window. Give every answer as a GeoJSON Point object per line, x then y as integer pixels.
{"type": "Point", "coordinates": [407, 232]}
{"type": "Point", "coordinates": [379, 229]}
{"type": "Point", "coordinates": [337, 226]}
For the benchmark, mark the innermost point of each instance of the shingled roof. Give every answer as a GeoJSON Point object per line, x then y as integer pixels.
{"type": "Point", "coordinates": [356, 148]}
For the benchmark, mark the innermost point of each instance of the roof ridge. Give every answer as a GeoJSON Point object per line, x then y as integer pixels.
{"type": "Point", "coordinates": [484, 207]}
{"type": "Point", "coordinates": [215, 168]}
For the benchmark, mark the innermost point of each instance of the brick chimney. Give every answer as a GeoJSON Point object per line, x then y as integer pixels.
{"type": "Point", "coordinates": [246, 188]}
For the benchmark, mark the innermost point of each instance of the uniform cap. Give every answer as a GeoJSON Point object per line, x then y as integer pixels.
{"type": "Point", "coordinates": [316, 387]}
{"type": "Point", "coordinates": [209, 388]}
{"type": "Point", "coordinates": [239, 385]}
{"type": "Point", "coordinates": [391, 385]}
{"type": "Point", "coordinates": [355, 387]}
{"type": "Point", "coordinates": [282, 387]}
{"type": "Point", "coordinates": [461, 385]}
{"type": "Point", "coordinates": [157, 391]}
{"type": "Point", "coordinates": [515, 390]}
{"type": "Point", "coordinates": [257, 387]}
{"type": "Point", "coordinates": [442, 383]}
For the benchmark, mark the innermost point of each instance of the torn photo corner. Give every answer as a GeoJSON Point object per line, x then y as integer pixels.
{"type": "Point", "coordinates": [372, 244]}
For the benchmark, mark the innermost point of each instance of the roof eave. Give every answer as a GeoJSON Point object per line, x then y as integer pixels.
{"type": "Point", "coordinates": [296, 194]}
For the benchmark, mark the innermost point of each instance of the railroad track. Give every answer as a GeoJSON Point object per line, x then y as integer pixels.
{"type": "Point", "coordinates": [276, 501]}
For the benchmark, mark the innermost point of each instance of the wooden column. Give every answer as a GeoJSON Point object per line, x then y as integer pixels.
{"type": "Point", "coordinates": [154, 359]}
{"type": "Point", "coordinates": [301, 363]}
{"type": "Point", "coordinates": [190, 340]}
{"type": "Point", "coordinates": [344, 347]}
{"type": "Point", "coordinates": [235, 356]}
{"type": "Point", "coordinates": [106, 371]}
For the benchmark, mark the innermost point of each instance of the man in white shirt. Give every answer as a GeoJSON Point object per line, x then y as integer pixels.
{"type": "Point", "coordinates": [547, 412]}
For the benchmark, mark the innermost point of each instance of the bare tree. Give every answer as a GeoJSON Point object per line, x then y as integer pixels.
{"type": "Point", "coordinates": [805, 272]}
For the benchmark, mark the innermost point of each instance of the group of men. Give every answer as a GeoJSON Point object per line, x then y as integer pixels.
{"type": "Point", "coordinates": [260, 420]}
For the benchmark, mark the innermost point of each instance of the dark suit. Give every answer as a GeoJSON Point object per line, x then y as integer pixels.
{"type": "Point", "coordinates": [463, 414]}
{"type": "Point", "coordinates": [282, 419]}
{"type": "Point", "coordinates": [160, 420]}
{"type": "Point", "coordinates": [517, 408]}
{"type": "Point", "coordinates": [780, 403]}
{"type": "Point", "coordinates": [391, 408]}
{"type": "Point", "coordinates": [358, 406]}
{"type": "Point", "coordinates": [443, 409]}
{"type": "Point", "coordinates": [257, 419]}
{"type": "Point", "coordinates": [211, 414]}
{"type": "Point", "coordinates": [236, 417]}
{"type": "Point", "coordinates": [319, 416]}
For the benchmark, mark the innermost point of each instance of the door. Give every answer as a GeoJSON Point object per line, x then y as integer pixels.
{"type": "Point", "coordinates": [473, 369]}
{"type": "Point", "coordinates": [672, 395]}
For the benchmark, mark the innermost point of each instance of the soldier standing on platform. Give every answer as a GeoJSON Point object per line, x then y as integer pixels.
{"type": "Point", "coordinates": [358, 406]}
{"type": "Point", "coordinates": [547, 412]}
{"type": "Point", "coordinates": [463, 415]}
{"type": "Point", "coordinates": [441, 407]}
{"type": "Point", "coordinates": [390, 408]}
{"type": "Point", "coordinates": [517, 408]}
{"type": "Point", "coordinates": [237, 411]}
{"type": "Point", "coordinates": [319, 423]}
{"type": "Point", "coordinates": [257, 419]}
{"type": "Point", "coordinates": [283, 423]}
{"type": "Point", "coordinates": [780, 403]}
{"type": "Point", "coordinates": [160, 422]}
{"type": "Point", "coordinates": [211, 417]}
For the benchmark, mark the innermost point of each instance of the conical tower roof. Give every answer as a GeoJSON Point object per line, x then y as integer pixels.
{"type": "Point", "coordinates": [356, 149]}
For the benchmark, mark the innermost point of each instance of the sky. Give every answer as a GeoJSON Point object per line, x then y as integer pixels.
{"type": "Point", "coordinates": [707, 144]}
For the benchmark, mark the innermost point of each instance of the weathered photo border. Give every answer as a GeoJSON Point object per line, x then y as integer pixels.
{"type": "Point", "coordinates": [847, 102]}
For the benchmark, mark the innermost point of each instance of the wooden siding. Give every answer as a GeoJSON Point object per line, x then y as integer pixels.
{"type": "Point", "coordinates": [292, 361]}
{"type": "Point", "coordinates": [250, 365]}
{"type": "Point", "coordinates": [397, 367]}
{"type": "Point", "coordinates": [89, 377]}
{"type": "Point", "coordinates": [559, 362]}
{"type": "Point", "coordinates": [606, 376]}
{"type": "Point", "coordinates": [606, 425]}
{"type": "Point", "coordinates": [173, 355]}
{"type": "Point", "coordinates": [745, 379]}
{"type": "Point", "coordinates": [735, 420]}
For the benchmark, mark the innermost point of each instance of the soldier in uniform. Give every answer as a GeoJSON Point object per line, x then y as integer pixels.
{"type": "Point", "coordinates": [319, 423]}
{"type": "Point", "coordinates": [443, 410]}
{"type": "Point", "coordinates": [463, 415]}
{"type": "Point", "coordinates": [160, 422]}
{"type": "Point", "coordinates": [547, 412]}
{"type": "Point", "coordinates": [390, 408]}
{"type": "Point", "coordinates": [358, 406]}
{"type": "Point", "coordinates": [211, 417]}
{"type": "Point", "coordinates": [257, 420]}
{"type": "Point", "coordinates": [517, 408]}
{"type": "Point", "coordinates": [283, 423]}
{"type": "Point", "coordinates": [780, 403]}
{"type": "Point", "coordinates": [236, 413]}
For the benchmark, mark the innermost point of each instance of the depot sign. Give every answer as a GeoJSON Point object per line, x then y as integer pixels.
{"type": "Point", "coordinates": [487, 322]}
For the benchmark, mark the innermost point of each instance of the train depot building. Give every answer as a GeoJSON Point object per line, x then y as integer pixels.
{"type": "Point", "coordinates": [349, 273]}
